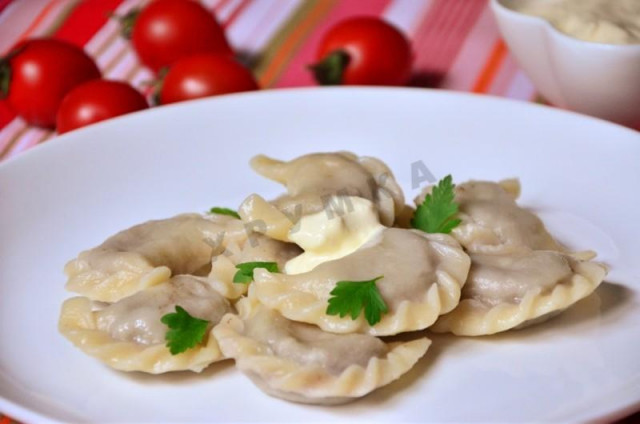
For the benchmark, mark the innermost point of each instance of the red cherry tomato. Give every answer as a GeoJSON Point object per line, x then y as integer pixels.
{"type": "Point", "coordinates": [205, 75]}
{"type": "Point", "coordinates": [95, 101]}
{"type": "Point", "coordinates": [41, 72]}
{"type": "Point", "coordinates": [363, 51]}
{"type": "Point", "coordinates": [167, 30]}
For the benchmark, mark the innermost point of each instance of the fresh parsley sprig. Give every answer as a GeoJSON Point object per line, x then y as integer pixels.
{"type": "Point", "coordinates": [350, 297]}
{"type": "Point", "coordinates": [185, 331]}
{"type": "Point", "coordinates": [437, 212]}
{"type": "Point", "coordinates": [224, 211]}
{"type": "Point", "coordinates": [244, 274]}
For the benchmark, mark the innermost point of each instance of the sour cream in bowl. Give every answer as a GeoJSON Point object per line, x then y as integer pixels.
{"type": "Point", "coordinates": [582, 55]}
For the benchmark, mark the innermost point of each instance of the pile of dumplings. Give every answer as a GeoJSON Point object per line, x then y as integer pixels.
{"type": "Point", "coordinates": [499, 269]}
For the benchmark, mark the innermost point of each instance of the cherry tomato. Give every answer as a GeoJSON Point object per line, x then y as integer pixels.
{"type": "Point", "coordinates": [205, 75]}
{"type": "Point", "coordinates": [363, 51]}
{"type": "Point", "coordinates": [167, 30]}
{"type": "Point", "coordinates": [40, 73]}
{"type": "Point", "coordinates": [95, 101]}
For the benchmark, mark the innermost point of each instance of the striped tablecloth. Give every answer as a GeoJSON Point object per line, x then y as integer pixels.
{"type": "Point", "coordinates": [456, 43]}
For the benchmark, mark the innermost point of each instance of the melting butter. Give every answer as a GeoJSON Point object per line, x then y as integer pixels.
{"type": "Point", "coordinates": [341, 228]}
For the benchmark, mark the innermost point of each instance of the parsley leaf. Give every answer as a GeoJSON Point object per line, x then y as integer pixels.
{"type": "Point", "coordinates": [224, 211]}
{"type": "Point", "coordinates": [185, 331]}
{"type": "Point", "coordinates": [245, 270]}
{"type": "Point", "coordinates": [350, 297]}
{"type": "Point", "coordinates": [437, 213]}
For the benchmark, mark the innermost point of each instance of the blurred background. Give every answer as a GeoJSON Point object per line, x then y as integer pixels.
{"type": "Point", "coordinates": [456, 44]}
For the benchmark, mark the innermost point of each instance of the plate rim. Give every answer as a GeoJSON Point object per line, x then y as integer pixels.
{"type": "Point", "coordinates": [293, 91]}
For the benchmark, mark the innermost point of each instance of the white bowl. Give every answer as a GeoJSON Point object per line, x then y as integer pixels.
{"type": "Point", "coordinates": [597, 79]}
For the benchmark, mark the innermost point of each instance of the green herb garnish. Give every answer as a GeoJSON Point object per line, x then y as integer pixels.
{"type": "Point", "coordinates": [350, 297]}
{"type": "Point", "coordinates": [185, 331]}
{"type": "Point", "coordinates": [245, 270]}
{"type": "Point", "coordinates": [224, 211]}
{"type": "Point", "coordinates": [437, 213]}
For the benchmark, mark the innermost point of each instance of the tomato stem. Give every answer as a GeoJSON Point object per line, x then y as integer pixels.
{"type": "Point", "coordinates": [127, 21]}
{"type": "Point", "coordinates": [5, 77]}
{"type": "Point", "coordinates": [156, 84]}
{"type": "Point", "coordinates": [5, 70]}
{"type": "Point", "coordinates": [330, 70]}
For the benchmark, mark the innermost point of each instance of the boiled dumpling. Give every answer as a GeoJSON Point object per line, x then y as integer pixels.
{"type": "Point", "coordinates": [403, 220]}
{"type": "Point", "coordinates": [504, 291]}
{"type": "Point", "coordinates": [422, 275]}
{"type": "Point", "coordinates": [149, 253]}
{"type": "Point", "coordinates": [312, 179]}
{"type": "Point", "coordinates": [301, 363]}
{"type": "Point", "coordinates": [256, 248]}
{"type": "Point", "coordinates": [492, 222]}
{"type": "Point", "coordinates": [128, 335]}
{"type": "Point", "coordinates": [264, 217]}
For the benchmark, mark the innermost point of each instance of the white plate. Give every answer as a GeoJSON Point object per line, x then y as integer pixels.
{"type": "Point", "coordinates": [581, 174]}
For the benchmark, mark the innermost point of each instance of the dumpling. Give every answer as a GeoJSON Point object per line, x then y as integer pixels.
{"type": "Point", "coordinates": [403, 220]}
{"type": "Point", "coordinates": [422, 275]}
{"type": "Point", "coordinates": [128, 335]}
{"type": "Point", "coordinates": [256, 248]}
{"type": "Point", "coordinates": [301, 363]}
{"type": "Point", "coordinates": [264, 217]}
{"type": "Point", "coordinates": [492, 222]}
{"type": "Point", "coordinates": [505, 291]}
{"type": "Point", "coordinates": [312, 179]}
{"type": "Point", "coordinates": [148, 254]}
